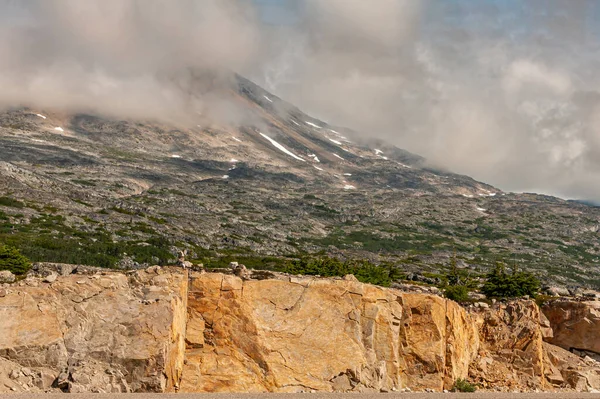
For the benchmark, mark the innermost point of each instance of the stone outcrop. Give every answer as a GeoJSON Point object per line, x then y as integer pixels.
{"type": "Point", "coordinates": [327, 335]}
{"type": "Point", "coordinates": [107, 332]}
{"type": "Point", "coordinates": [169, 330]}
{"type": "Point", "coordinates": [512, 355]}
{"type": "Point", "coordinates": [576, 325]}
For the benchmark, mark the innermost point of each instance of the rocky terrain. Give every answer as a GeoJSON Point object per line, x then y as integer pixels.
{"type": "Point", "coordinates": [268, 183]}
{"type": "Point", "coordinates": [174, 330]}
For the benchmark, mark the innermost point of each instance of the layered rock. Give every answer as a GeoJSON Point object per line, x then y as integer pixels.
{"type": "Point", "coordinates": [576, 328]}
{"type": "Point", "coordinates": [107, 332]}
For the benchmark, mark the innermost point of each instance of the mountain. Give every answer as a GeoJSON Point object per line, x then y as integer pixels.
{"type": "Point", "coordinates": [263, 182]}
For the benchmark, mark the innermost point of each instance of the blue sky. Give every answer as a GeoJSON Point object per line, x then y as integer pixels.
{"type": "Point", "coordinates": [514, 16]}
{"type": "Point", "coordinates": [279, 12]}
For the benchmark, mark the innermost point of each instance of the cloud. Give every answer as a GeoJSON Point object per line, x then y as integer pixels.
{"type": "Point", "coordinates": [502, 91]}
{"type": "Point", "coordinates": [125, 57]}
{"type": "Point", "coordinates": [523, 72]}
{"type": "Point", "coordinates": [506, 92]}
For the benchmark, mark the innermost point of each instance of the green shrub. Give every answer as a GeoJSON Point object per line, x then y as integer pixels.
{"type": "Point", "coordinates": [12, 260]}
{"type": "Point", "coordinates": [11, 202]}
{"type": "Point", "coordinates": [461, 385]}
{"type": "Point", "coordinates": [123, 211]}
{"type": "Point", "coordinates": [502, 284]}
{"type": "Point", "coordinates": [458, 293]}
{"type": "Point", "coordinates": [363, 270]}
{"type": "Point", "coordinates": [458, 283]}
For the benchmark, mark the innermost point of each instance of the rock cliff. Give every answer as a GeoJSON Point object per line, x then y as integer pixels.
{"type": "Point", "coordinates": [576, 324]}
{"type": "Point", "coordinates": [162, 330]}
{"type": "Point", "coordinates": [107, 332]}
{"type": "Point", "coordinates": [326, 335]}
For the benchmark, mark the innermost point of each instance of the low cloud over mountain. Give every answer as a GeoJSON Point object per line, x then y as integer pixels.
{"type": "Point", "coordinates": [503, 91]}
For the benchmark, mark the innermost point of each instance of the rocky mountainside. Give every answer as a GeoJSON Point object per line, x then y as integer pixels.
{"type": "Point", "coordinates": [265, 181]}
{"type": "Point", "coordinates": [170, 330]}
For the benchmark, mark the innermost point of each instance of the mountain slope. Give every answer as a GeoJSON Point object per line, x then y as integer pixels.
{"type": "Point", "coordinates": [264, 179]}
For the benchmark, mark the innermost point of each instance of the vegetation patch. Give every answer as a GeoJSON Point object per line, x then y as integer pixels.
{"type": "Point", "coordinates": [462, 385]}
{"type": "Point", "coordinates": [502, 284]}
{"type": "Point", "coordinates": [11, 202]}
{"type": "Point", "coordinates": [12, 260]}
{"type": "Point", "coordinates": [83, 182]}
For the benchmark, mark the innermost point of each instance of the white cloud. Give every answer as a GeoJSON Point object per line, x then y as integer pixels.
{"type": "Point", "coordinates": [521, 73]}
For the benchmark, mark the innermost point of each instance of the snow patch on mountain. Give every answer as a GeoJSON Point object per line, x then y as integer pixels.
{"type": "Point", "coordinates": [282, 148]}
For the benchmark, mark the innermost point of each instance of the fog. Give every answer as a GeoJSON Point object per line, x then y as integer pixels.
{"type": "Point", "coordinates": [504, 91]}
{"type": "Point", "coordinates": [122, 57]}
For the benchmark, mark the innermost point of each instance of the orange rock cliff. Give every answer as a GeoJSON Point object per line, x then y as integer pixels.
{"type": "Point", "coordinates": [170, 330]}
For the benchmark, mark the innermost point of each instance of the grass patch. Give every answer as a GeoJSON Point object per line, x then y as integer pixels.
{"type": "Point", "coordinates": [11, 202]}
{"type": "Point", "coordinates": [83, 182]}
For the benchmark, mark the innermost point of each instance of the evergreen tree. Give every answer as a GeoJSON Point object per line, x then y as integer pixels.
{"type": "Point", "coordinates": [458, 283]}
{"type": "Point", "coordinates": [502, 284]}
{"type": "Point", "coordinates": [12, 260]}
{"type": "Point", "coordinates": [454, 277]}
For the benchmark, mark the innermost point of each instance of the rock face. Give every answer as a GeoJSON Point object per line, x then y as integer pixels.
{"type": "Point", "coordinates": [512, 355]}
{"type": "Point", "coordinates": [162, 330]}
{"type": "Point", "coordinates": [99, 333]}
{"type": "Point", "coordinates": [326, 335]}
{"type": "Point", "coordinates": [576, 325]}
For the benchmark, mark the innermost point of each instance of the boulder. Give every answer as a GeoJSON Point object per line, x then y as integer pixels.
{"type": "Point", "coordinates": [557, 291]}
{"type": "Point", "coordinates": [241, 271]}
{"type": "Point", "coordinates": [66, 269]}
{"type": "Point", "coordinates": [6, 277]}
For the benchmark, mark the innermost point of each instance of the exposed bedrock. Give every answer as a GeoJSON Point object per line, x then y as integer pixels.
{"type": "Point", "coordinates": [162, 330]}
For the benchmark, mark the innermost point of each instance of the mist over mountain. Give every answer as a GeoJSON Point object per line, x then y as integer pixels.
{"type": "Point", "coordinates": [502, 91]}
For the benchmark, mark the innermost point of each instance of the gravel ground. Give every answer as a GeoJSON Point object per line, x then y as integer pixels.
{"type": "Point", "coordinates": [476, 395]}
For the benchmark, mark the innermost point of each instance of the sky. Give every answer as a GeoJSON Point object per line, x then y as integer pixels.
{"type": "Point", "coordinates": [506, 91]}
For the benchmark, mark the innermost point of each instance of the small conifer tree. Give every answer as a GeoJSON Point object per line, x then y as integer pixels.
{"type": "Point", "coordinates": [502, 284]}
{"type": "Point", "coordinates": [12, 260]}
